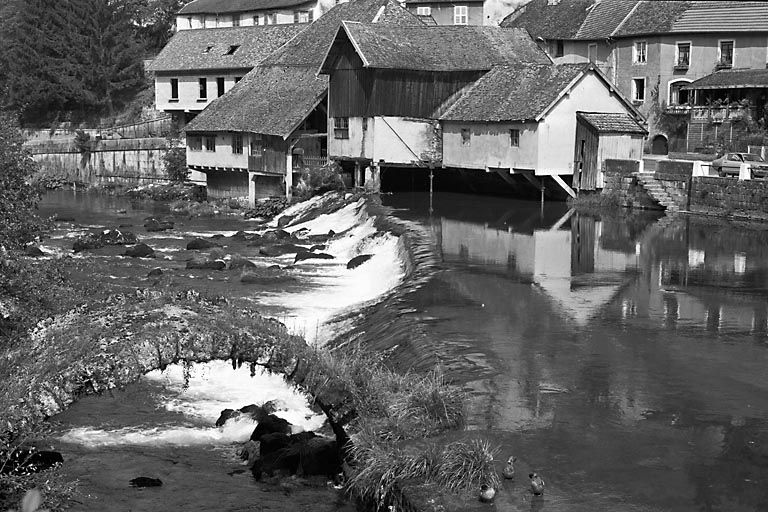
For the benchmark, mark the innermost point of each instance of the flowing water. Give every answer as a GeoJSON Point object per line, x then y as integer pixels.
{"type": "Point", "coordinates": [622, 357]}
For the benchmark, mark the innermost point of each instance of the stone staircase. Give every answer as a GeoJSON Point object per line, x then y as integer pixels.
{"type": "Point", "coordinates": [656, 190]}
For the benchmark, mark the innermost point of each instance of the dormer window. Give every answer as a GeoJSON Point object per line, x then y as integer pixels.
{"type": "Point", "coordinates": [232, 49]}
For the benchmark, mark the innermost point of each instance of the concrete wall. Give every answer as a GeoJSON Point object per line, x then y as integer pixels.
{"type": "Point", "coordinates": [189, 90]}
{"type": "Point", "coordinates": [489, 146]}
{"type": "Point", "coordinates": [443, 12]}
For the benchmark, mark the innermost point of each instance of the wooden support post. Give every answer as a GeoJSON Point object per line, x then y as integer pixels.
{"type": "Point", "coordinates": [358, 175]}
{"type": "Point", "coordinates": [563, 185]}
{"type": "Point", "coordinates": [431, 186]}
{"type": "Point", "coordinates": [289, 173]}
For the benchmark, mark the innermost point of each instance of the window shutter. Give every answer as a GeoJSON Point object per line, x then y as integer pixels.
{"type": "Point", "coordinates": [295, 16]}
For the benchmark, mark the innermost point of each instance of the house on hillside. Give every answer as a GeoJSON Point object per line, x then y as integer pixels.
{"type": "Point", "coordinates": [243, 13]}
{"type": "Point", "coordinates": [560, 121]}
{"type": "Point", "coordinates": [442, 12]}
{"type": "Point", "coordinates": [653, 50]}
{"type": "Point", "coordinates": [275, 119]}
{"type": "Point", "coordinates": [198, 66]}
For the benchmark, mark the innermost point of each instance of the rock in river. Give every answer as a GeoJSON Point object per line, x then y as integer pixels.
{"type": "Point", "coordinates": [306, 255]}
{"type": "Point", "coordinates": [239, 262]}
{"type": "Point", "coordinates": [97, 239]}
{"type": "Point", "coordinates": [202, 264]}
{"type": "Point", "coordinates": [155, 272]}
{"type": "Point", "coordinates": [140, 251]}
{"type": "Point", "coordinates": [153, 224]}
{"type": "Point", "coordinates": [145, 481]}
{"type": "Point", "coordinates": [200, 243]}
{"type": "Point", "coordinates": [358, 260]}
{"type": "Point", "coordinates": [280, 249]}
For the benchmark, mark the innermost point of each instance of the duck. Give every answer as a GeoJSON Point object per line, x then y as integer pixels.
{"type": "Point", "coordinates": [509, 469]}
{"type": "Point", "coordinates": [487, 493]}
{"type": "Point", "coordinates": [537, 484]}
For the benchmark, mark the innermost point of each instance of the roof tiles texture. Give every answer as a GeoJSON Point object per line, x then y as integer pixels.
{"type": "Point", "coordinates": [561, 21]}
{"type": "Point", "coordinates": [603, 18]}
{"type": "Point", "coordinates": [605, 122]}
{"type": "Point", "coordinates": [653, 17]}
{"type": "Point", "coordinates": [206, 49]}
{"type": "Point", "coordinates": [512, 93]}
{"type": "Point", "coordinates": [282, 90]}
{"type": "Point", "coordinates": [231, 6]}
{"type": "Point", "coordinates": [443, 48]}
{"type": "Point", "coordinates": [723, 17]}
{"type": "Point", "coordinates": [738, 78]}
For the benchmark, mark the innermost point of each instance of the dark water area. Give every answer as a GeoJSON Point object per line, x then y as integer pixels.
{"type": "Point", "coordinates": [623, 357]}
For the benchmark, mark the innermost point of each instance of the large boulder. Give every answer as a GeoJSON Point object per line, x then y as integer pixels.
{"type": "Point", "coordinates": [280, 249]}
{"type": "Point", "coordinates": [203, 264]}
{"type": "Point", "coordinates": [239, 262]}
{"type": "Point", "coordinates": [140, 251]}
{"type": "Point", "coordinates": [305, 454]}
{"type": "Point", "coordinates": [270, 424]}
{"type": "Point", "coordinates": [98, 239]}
{"type": "Point", "coordinates": [201, 243]}
{"type": "Point", "coordinates": [155, 272]}
{"type": "Point", "coordinates": [256, 412]}
{"type": "Point", "coordinates": [153, 224]}
{"type": "Point", "coordinates": [320, 239]}
{"type": "Point", "coordinates": [307, 255]}
{"type": "Point", "coordinates": [284, 220]}
{"type": "Point", "coordinates": [275, 235]}
{"type": "Point", "coordinates": [358, 260]}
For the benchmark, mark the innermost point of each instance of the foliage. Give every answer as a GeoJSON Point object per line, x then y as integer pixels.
{"type": "Point", "coordinates": [170, 192]}
{"type": "Point", "coordinates": [82, 142]}
{"type": "Point", "coordinates": [153, 20]}
{"type": "Point", "coordinates": [267, 208]}
{"type": "Point", "coordinates": [175, 164]}
{"type": "Point", "coordinates": [319, 180]}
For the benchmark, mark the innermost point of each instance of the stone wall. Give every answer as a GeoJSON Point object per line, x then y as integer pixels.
{"type": "Point", "coordinates": [627, 191]}
{"type": "Point", "coordinates": [729, 196]}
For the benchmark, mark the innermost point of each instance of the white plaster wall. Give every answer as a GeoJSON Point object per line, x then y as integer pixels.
{"type": "Point", "coordinates": [489, 146]}
{"type": "Point", "coordinates": [222, 157]}
{"type": "Point", "coordinates": [358, 145]}
{"type": "Point", "coordinates": [400, 140]}
{"type": "Point", "coordinates": [189, 90]}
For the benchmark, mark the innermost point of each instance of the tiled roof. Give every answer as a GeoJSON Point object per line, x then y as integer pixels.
{"type": "Point", "coordinates": [732, 79]}
{"type": "Point", "coordinates": [723, 17]}
{"type": "Point", "coordinates": [206, 49]}
{"type": "Point", "coordinates": [512, 93]}
{"type": "Point", "coordinates": [442, 48]}
{"type": "Point", "coordinates": [603, 19]}
{"type": "Point", "coordinates": [561, 21]}
{"type": "Point", "coordinates": [605, 122]}
{"type": "Point", "coordinates": [653, 17]}
{"type": "Point", "coordinates": [282, 90]}
{"type": "Point", "coordinates": [230, 6]}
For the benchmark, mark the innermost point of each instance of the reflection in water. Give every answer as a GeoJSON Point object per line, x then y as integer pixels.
{"type": "Point", "coordinates": [621, 356]}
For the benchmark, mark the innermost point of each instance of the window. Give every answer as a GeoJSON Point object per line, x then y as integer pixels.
{"type": "Point", "coordinates": [514, 137]}
{"type": "Point", "coordinates": [465, 137]}
{"type": "Point", "coordinates": [238, 78]}
{"type": "Point", "coordinates": [210, 143]}
{"type": "Point", "coordinates": [726, 54]}
{"type": "Point", "coordinates": [203, 88]}
{"type": "Point", "coordinates": [256, 19]}
{"type": "Point", "coordinates": [237, 143]}
{"type": "Point", "coordinates": [302, 16]}
{"type": "Point", "coordinates": [592, 52]}
{"type": "Point", "coordinates": [678, 96]}
{"type": "Point", "coordinates": [232, 49]}
{"type": "Point", "coordinates": [174, 89]}
{"type": "Point", "coordinates": [256, 145]}
{"type": "Point", "coordinates": [271, 19]}
{"type": "Point", "coordinates": [195, 142]}
{"type": "Point", "coordinates": [460, 15]}
{"type": "Point", "coordinates": [640, 52]}
{"type": "Point", "coordinates": [424, 11]}
{"type": "Point", "coordinates": [638, 89]}
{"type": "Point", "coordinates": [340, 127]}
{"type": "Point", "coordinates": [683, 59]}
{"type": "Point", "coordinates": [559, 48]}
{"type": "Point", "coordinates": [236, 20]}
{"type": "Point", "coordinates": [220, 86]}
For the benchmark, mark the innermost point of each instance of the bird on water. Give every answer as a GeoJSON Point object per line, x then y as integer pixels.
{"type": "Point", "coordinates": [509, 469]}
{"type": "Point", "coordinates": [537, 484]}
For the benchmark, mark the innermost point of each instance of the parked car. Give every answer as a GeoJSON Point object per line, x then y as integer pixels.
{"type": "Point", "coordinates": [730, 163]}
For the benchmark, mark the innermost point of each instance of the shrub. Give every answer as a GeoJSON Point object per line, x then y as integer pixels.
{"type": "Point", "coordinates": [319, 180]}
{"type": "Point", "coordinates": [175, 164]}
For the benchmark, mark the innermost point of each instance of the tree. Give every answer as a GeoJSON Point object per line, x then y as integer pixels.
{"type": "Point", "coordinates": [154, 20]}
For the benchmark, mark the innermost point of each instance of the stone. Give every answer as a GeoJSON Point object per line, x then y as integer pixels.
{"type": "Point", "coordinates": [201, 264]}
{"type": "Point", "coordinates": [200, 243]}
{"type": "Point", "coordinates": [304, 453]}
{"type": "Point", "coordinates": [98, 239]}
{"type": "Point", "coordinates": [306, 255]}
{"type": "Point", "coordinates": [320, 239]}
{"type": "Point", "coordinates": [285, 220]}
{"type": "Point", "coordinates": [33, 251]}
{"type": "Point", "coordinates": [262, 279]}
{"type": "Point", "coordinates": [317, 247]}
{"type": "Point", "coordinates": [358, 260]}
{"type": "Point", "coordinates": [239, 262]}
{"type": "Point", "coordinates": [155, 272]}
{"type": "Point", "coordinates": [270, 424]}
{"type": "Point", "coordinates": [145, 481]}
{"type": "Point", "coordinates": [153, 224]}
{"type": "Point", "coordinates": [140, 251]}
{"type": "Point", "coordinates": [226, 415]}
{"type": "Point", "coordinates": [275, 235]}
{"type": "Point", "coordinates": [280, 249]}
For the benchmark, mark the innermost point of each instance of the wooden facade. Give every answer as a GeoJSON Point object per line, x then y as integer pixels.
{"type": "Point", "coordinates": [585, 156]}
{"type": "Point", "coordinates": [226, 184]}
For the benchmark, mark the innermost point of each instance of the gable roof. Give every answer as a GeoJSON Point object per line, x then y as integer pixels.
{"type": "Point", "coordinates": [732, 79]}
{"type": "Point", "coordinates": [206, 49]}
{"type": "Point", "coordinates": [652, 17]}
{"type": "Point", "coordinates": [716, 16]}
{"type": "Point", "coordinates": [561, 21]}
{"type": "Point", "coordinates": [611, 122]}
{"type": "Point", "coordinates": [440, 48]}
{"type": "Point", "coordinates": [604, 18]}
{"type": "Point", "coordinates": [234, 6]}
{"type": "Point", "coordinates": [520, 93]}
{"type": "Point", "coordinates": [279, 93]}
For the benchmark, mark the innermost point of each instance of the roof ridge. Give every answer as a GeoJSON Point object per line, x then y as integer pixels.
{"type": "Point", "coordinates": [622, 22]}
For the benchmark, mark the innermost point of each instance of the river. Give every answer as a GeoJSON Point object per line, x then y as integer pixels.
{"type": "Point", "coordinates": [623, 357]}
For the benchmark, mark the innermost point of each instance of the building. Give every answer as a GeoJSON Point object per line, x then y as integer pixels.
{"type": "Point", "coordinates": [242, 13]}
{"type": "Point", "coordinates": [273, 124]}
{"type": "Point", "coordinates": [470, 12]}
{"type": "Point", "coordinates": [198, 66]}
{"type": "Point", "coordinates": [652, 50]}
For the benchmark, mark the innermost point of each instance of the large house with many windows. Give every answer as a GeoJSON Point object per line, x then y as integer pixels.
{"type": "Point", "coordinates": [654, 51]}
{"type": "Point", "coordinates": [243, 13]}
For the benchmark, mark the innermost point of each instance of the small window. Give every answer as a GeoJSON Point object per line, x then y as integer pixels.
{"type": "Point", "coordinates": [640, 52]}
{"type": "Point", "coordinates": [638, 89]}
{"type": "Point", "coordinates": [237, 143]}
{"type": "Point", "coordinates": [256, 145]}
{"type": "Point", "coordinates": [683, 59]}
{"type": "Point", "coordinates": [208, 49]}
{"type": "Point", "coordinates": [301, 16]}
{"type": "Point", "coordinates": [559, 48]}
{"type": "Point", "coordinates": [592, 52]}
{"type": "Point", "coordinates": [460, 15]}
{"type": "Point", "coordinates": [271, 19]}
{"type": "Point", "coordinates": [726, 54]}
{"type": "Point", "coordinates": [232, 49]}
{"type": "Point", "coordinates": [203, 88]}
{"type": "Point", "coordinates": [220, 86]}
{"type": "Point", "coordinates": [424, 11]}
{"type": "Point", "coordinates": [195, 142]}
{"type": "Point", "coordinates": [256, 20]}
{"type": "Point", "coordinates": [236, 20]}
{"type": "Point", "coordinates": [465, 136]}
{"type": "Point", "coordinates": [210, 143]}
{"type": "Point", "coordinates": [340, 127]}
{"type": "Point", "coordinates": [514, 137]}
{"type": "Point", "coordinates": [174, 89]}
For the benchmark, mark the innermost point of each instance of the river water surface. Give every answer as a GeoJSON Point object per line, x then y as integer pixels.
{"type": "Point", "coordinates": [622, 357]}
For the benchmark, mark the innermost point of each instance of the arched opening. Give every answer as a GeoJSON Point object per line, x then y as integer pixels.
{"type": "Point", "coordinates": [677, 96]}
{"type": "Point", "coordinates": [659, 145]}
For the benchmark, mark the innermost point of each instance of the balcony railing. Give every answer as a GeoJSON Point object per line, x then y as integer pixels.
{"type": "Point", "coordinates": [678, 109]}
{"type": "Point", "coordinates": [719, 114]}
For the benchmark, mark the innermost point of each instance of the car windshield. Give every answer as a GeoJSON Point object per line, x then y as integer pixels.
{"type": "Point", "coordinates": [748, 157]}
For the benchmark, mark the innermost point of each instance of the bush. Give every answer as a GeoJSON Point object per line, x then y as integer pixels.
{"type": "Point", "coordinates": [175, 164]}
{"type": "Point", "coordinates": [319, 180]}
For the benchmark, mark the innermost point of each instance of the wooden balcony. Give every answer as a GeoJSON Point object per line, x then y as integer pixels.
{"type": "Point", "coordinates": [719, 114]}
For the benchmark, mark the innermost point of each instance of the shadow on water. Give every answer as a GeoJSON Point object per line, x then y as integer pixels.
{"type": "Point", "coordinates": [623, 356]}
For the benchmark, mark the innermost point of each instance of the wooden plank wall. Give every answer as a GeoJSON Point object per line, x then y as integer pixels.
{"type": "Point", "coordinates": [589, 169]}
{"type": "Point", "coordinates": [224, 184]}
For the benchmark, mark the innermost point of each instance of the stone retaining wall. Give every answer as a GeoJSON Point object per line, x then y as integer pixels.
{"type": "Point", "coordinates": [730, 196]}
